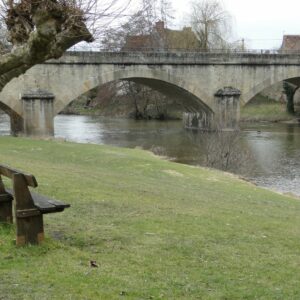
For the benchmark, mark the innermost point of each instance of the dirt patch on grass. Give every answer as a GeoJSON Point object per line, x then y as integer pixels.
{"type": "Point", "coordinates": [173, 173]}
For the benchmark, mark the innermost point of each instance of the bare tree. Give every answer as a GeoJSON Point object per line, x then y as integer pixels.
{"type": "Point", "coordinates": [41, 30]}
{"type": "Point", "coordinates": [211, 23]}
{"type": "Point", "coordinates": [128, 99]}
{"type": "Point", "coordinates": [166, 11]}
{"type": "Point", "coordinates": [146, 102]}
{"type": "Point", "coordinates": [223, 150]}
{"type": "Point", "coordinates": [139, 23]}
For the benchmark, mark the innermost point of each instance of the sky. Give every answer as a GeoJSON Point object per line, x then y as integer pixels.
{"type": "Point", "coordinates": [261, 23]}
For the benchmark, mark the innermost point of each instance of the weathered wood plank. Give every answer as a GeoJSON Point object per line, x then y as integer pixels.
{"type": "Point", "coordinates": [9, 172]}
{"type": "Point", "coordinates": [6, 208]}
{"type": "Point", "coordinates": [47, 205]}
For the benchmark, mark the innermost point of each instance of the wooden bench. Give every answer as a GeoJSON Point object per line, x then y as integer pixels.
{"type": "Point", "coordinates": [29, 206]}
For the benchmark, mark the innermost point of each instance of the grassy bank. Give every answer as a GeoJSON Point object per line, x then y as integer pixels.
{"type": "Point", "coordinates": [158, 230]}
{"type": "Point", "coordinates": [262, 110]}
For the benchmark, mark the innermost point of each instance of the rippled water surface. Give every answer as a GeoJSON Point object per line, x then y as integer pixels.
{"type": "Point", "coordinates": [274, 149]}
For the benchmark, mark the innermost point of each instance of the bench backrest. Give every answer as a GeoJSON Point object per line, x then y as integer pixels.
{"type": "Point", "coordinates": [9, 172]}
{"type": "Point", "coordinates": [21, 182]}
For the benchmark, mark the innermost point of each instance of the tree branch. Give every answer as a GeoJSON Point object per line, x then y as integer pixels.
{"type": "Point", "coordinates": [55, 26]}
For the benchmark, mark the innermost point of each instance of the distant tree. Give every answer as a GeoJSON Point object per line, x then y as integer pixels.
{"type": "Point", "coordinates": [166, 11]}
{"type": "Point", "coordinates": [140, 23]}
{"type": "Point", "coordinates": [211, 23]}
{"type": "Point", "coordinates": [138, 94]}
{"type": "Point", "coordinates": [124, 98]}
{"type": "Point", "coordinates": [148, 104]}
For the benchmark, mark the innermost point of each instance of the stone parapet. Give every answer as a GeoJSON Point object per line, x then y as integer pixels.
{"type": "Point", "coordinates": [177, 58]}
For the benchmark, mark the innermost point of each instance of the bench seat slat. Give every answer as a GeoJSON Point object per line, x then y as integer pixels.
{"type": "Point", "coordinates": [43, 203]}
{"type": "Point", "coordinates": [47, 205]}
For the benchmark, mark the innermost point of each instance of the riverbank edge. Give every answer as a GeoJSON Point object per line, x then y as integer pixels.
{"type": "Point", "coordinates": [97, 113]}
{"type": "Point", "coordinates": [272, 112]}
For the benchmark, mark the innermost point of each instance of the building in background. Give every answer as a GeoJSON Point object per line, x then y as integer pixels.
{"type": "Point", "coordinates": [290, 43]}
{"type": "Point", "coordinates": [162, 38]}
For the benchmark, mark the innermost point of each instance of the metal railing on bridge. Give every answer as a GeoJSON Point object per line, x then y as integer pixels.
{"type": "Point", "coordinates": [184, 50]}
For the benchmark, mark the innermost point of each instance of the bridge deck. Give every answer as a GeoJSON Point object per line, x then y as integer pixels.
{"type": "Point", "coordinates": [177, 58]}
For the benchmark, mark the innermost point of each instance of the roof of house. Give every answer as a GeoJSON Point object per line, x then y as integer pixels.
{"type": "Point", "coordinates": [291, 42]}
{"type": "Point", "coordinates": [137, 42]}
{"type": "Point", "coordinates": [163, 38]}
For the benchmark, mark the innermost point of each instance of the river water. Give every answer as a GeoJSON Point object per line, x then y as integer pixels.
{"type": "Point", "coordinates": [269, 153]}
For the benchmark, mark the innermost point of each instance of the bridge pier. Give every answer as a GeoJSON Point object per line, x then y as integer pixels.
{"type": "Point", "coordinates": [227, 114]}
{"type": "Point", "coordinates": [38, 113]}
{"type": "Point", "coordinates": [201, 120]}
{"type": "Point", "coordinates": [16, 124]}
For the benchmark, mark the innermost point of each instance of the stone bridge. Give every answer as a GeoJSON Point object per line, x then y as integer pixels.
{"type": "Point", "coordinates": [210, 86]}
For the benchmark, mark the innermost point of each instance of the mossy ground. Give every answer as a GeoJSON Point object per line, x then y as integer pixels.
{"type": "Point", "coordinates": [157, 230]}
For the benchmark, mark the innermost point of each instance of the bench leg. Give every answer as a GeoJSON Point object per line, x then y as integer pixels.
{"type": "Point", "coordinates": [5, 204]}
{"type": "Point", "coordinates": [30, 229]}
{"type": "Point", "coordinates": [6, 215]}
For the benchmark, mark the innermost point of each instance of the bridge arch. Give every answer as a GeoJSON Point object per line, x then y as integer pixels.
{"type": "Point", "coordinates": [16, 121]}
{"type": "Point", "coordinates": [292, 77]}
{"type": "Point", "coordinates": [160, 80]}
{"type": "Point", "coordinates": [198, 75]}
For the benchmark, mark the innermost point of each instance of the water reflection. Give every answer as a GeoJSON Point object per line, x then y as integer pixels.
{"type": "Point", "coordinates": [4, 124]}
{"type": "Point", "coordinates": [274, 148]}
{"type": "Point", "coordinates": [80, 129]}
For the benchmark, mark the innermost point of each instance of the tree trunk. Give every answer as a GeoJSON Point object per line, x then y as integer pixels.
{"type": "Point", "coordinates": [40, 30]}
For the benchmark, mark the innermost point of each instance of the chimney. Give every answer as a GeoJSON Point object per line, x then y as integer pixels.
{"type": "Point", "coordinates": [160, 26]}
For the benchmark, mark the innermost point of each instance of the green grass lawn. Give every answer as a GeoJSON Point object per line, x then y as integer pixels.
{"type": "Point", "coordinates": [157, 229]}
{"type": "Point", "coordinates": [265, 111]}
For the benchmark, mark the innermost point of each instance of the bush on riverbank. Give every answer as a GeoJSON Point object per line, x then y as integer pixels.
{"type": "Point", "coordinates": [157, 230]}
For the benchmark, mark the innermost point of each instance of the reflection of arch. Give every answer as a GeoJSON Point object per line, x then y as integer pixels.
{"type": "Point", "coordinates": [157, 79]}
{"type": "Point", "coordinates": [247, 96]}
{"type": "Point", "coordinates": [16, 121]}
